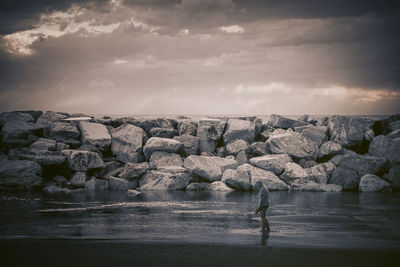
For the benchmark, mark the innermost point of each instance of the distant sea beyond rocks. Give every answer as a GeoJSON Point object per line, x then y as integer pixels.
{"type": "Point", "coordinates": [62, 153]}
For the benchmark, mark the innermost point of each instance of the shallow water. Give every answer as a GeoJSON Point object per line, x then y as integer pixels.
{"type": "Point", "coordinates": [298, 219]}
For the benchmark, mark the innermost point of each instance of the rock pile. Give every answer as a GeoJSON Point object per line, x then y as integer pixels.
{"type": "Point", "coordinates": [59, 153]}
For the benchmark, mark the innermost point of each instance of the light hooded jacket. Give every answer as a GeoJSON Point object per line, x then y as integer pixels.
{"type": "Point", "coordinates": [263, 196]}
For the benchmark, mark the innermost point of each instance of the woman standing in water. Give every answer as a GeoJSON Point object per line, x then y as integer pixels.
{"type": "Point", "coordinates": [263, 204]}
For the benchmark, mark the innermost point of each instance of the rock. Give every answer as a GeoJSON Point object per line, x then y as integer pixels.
{"type": "Point", "coordinates": [292, 172]}
{"type": "Point", "coordinates": [300, 129]}
{"type": "Point", "coordinates": [95, 184]}
{"type": "Point", "coordinates": [348, 131]}
{"type": "Point", "coordinates": [219, 186]}
{"type": "Point", "coordinates": [393, 177]}
{"type": "Point", "coordinates": [161, 144]}
{"type": "Point", "coordinates": [163, 132]}
{"type": "Point", "coordinates": [307, 185]}
{"type": "Point", "coordinates": [188, 127]}
{"type": "Point", "coordinates": [317, 134]}
{"type": "Point", "coordinates": [278, 121]}
{"type": "Point", "coordinates": [197, 186]}
{"type": "Point", "coordinates": [293, 144]}
{"type": "Point", "coordinates": [234, 147]}
{"type": "Point", "coordinates": [307, 163]}
{"type": "Point", "coordinates": [258, 127]}
{"type": "Point", "coordinates": [369, 135]}
{"type": "Point", "coordinates": [62, 146]}
{"type": "Point", "coordinates": [372, 183]}
{"type": "Point", "coordinates": [209, 132]}
{"type": "Point", "coordinates": [50, 116]}
{"type": "Point", "coordinates": [18, 133]}
{"type": "Point", "coordinates": [161, 159]}
{"type": "Point", "coordinates": [14, 116]}
{"type": "Point", "coordinates": [329, 149]}
{"type": "Point", "coordinates": [60, 180]}
{"type": "Point", "coordinates": [20, 174]}
{"type": "Point", "coordinates": [134, 170]}
{"type": "Point", "coordinates": [320, 173]}
{"type": "Point", "coordinates": [388, 148]}
{"type": "Point", "coordinates": [239, 129]}
{"type": "Point", "coordinates": [351, 167]}
{"type": "Point", "coordinates": [190, 144]}
{"type": "Point", "coordinates": [133, 193]}
{"type": "Point", "coordinates": [272, 162]}
{"type": "Point", "coordinates": [64, 132]}
{"type": "Point", "coordinates": [394, 134]}
{"type": "Point", "coordinates": [237, 179]}
{"type": "Point", "coordinates": [44, 144]}
{"type": "Point", "coordinates": [90, 148]}
{"type": "Point", "coordinates": [266, 132]}
{"type": "Point", "coordinates": [148, 123]}
{"type": "Point", "coordinates": [127, 143]}
{"type": "Point", "coordinates": [95, 134]}
{"type": "Point", "coordinates": [43, 157]}
{"type": "Point", "coordinates": [209, 168]}
{"type": "Point", "coordinates": [267, 177]}
{"type": "Point", "coordinates": [79, 179]}
{"type": "Point", "coordinates": [395, 125]}
{"type": "Point", "coordinates": [242, 158]}
{"type": "Point", "coordinates": [118, 184]}
{"type": "Point", "coordinates": [157, 180]}
{"type": "Point", "coordinates": [80, 160]}
{"type": "Point", "coordinates": [55, 189]}
{"type": "Point", "coordinates": [112, 173]}
{"type": "Point", "coordinates": [258, 149]}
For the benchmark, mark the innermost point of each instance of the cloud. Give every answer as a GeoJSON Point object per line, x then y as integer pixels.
{"type": "Point", "coordinates": [232, 29]}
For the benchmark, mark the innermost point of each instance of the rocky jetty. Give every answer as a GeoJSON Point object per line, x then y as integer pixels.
{"type": "Point", "coordinates": [61, 153]}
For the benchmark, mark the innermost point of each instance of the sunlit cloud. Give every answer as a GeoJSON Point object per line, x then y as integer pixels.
{"type": "Point", "coordinates": [232, 29]}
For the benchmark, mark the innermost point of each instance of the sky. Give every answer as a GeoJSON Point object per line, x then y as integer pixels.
{"type": "Point", "coordinates": [211, 57]}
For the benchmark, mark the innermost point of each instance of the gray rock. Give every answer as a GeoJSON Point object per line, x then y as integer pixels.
{"type": "Point", "coordinates": [134, 170]}
{"type": "Point", "coordinates": [162, 159]}
{"type": "Point", "coordinates": [20, 174]}
{"type": "Point", "coordinates": [239, 129]}
{"type": "Point", "coordinates": [118, 184]}
{"type": "Point", "coordinates": [50, 116]}
{"type": "Point", "coordinates": [293, 144]}
{"type": "Point", "coordinates": [393, 177]}
{"type": "Point", "coordinates": [44, 144]}
{"type": "Point", "coordinates": [278, 121]}
{"type": "Point", "coordinates": [320, 173]}
{"type": "Point", "coordinates": [307, 185]}
{"type": "Point", "coordinates": [158, 180]}
{"type": "Point", "coordinates": [272, 162]}
{"type": "Point", "coordinates": [65, 132]}
{"type": "Point", "coordinates": [209, 132]}
{"type": "Point", "coordinates": [369, 135]}
{"type": "Point", "coordinates": [55, 189]}
{"type": "Point", "coordinates": [388, 148]}
{"type": "Point", "coordinates": [329, 149]}
{"type": "Point", "coordinates": [188, 127]}
{"type": "Point", "coordinates": [95, 134]}
{"type": "Point", "coordinates": [258, 149]}
{"type": "Point", "coordinates": [237, 179]}
{"type": "Point", "coordinates": [127, 143]}
{"type": "Point", "coordinates": [292, 172]}
{"type": "Point", "coordinates": [95, 184]}
{"type": "Point", "coordinates": [14, 116]}
{"type": "Point", "coordinates": [395, 125]}
{"type": "Point", "coordinates": [317, 134]}
{"type": "Point", "coordinates": [79, 160]}
{"type": "Point", "coordinates": [60, 180]}
{"type": "Point", "coordinates": [62, 146]}
{"type": "Point", "coordinates": [17, 133]}
{"type": "Point", "coordinates": [90, 148]}
{"type": "Point", "coordinates": [394, 134]}
{"type": "Point", "coordinates": [190, 144]}
{"type": "Point", "coordinates": [163, 132]}
{"type": "Point", "coordinates": [372, 183]}
{"type": "Point", "coordinates": [242, 158]}
{"type": "Point", "coordinates": [148, 123]}
{"type": "Point", "coordinates": [219, 186]}
{"type": "Point", "coordinates": [78, 180]}
{"type": "Point", "coordinates": [111, 173]}
{"type": "Point", "coordinates": [209, 168]}
{"type": "Point", "coordinates": [133, 193]}
{"type": "Point", "coordinates": [43, 157]}
{"type": "Point", "coordinates": [234, 147]}
{"type": "Point", "coordinates": [348, 131]}
{"type": "Point", "coordinates": [258, 127]}
{"type": "Point", "coordinates": [307, 163]}
{"type": "Point", "coordinates": [161, 144]}
{"type": "Point", "coordinates": [300, 129]}
{"type": "Point", "coordinates": [197, 186]}
{"type": "Point", "coordinates": [267, 177]}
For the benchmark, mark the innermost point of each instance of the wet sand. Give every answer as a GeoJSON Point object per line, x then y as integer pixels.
{"type": "Point", "coordinates": [126, 253]}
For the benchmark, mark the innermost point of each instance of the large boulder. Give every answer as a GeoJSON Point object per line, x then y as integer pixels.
{"type": "Point", "coordinates": [118, 184]}
{"type": "Point", "coordinates": [292, 172]}
{"type": "Point", "coordinates": [239, 129]}
{"type": "Point", "coordinates": [127, 143]}
{"type": "Point", "coordinates": [351, 167]}
{"type": "Point", "coordinates": [234, 147]}
{"type": "Point", "coordinates": [317, 134]}
{"type": "Point", "coordinates": [393, 177]}
{"type": "Point", "coordinates": [80, 160]}
{"type": "Point", "coordinates": [320, 173]}
{"type": "Point", "coordinates": [95, 184]}
{"type": "Point", "coordinates": [348, 131]}
{"type": "Point", "coordinates": [209, 132]}
{"type": "Point", "coordinates": [134, 170]}
{"type": "Point", "coordinates": [95, 134]}
{"type": "Point", "coordinates": [271, 162]}
{"type": "Point", "coordinates": [149, 123]}
{"type": "Point", "coordinates": [383, 146]}
{"type": "Point", "coordinates": [219, 186]}
{"type": "Point", "coordinates": [237, 179]}
{"type": "Point", "coordinates": [20, 174]}
{"type": "Point", "coordinates": [329, 149]}
{"type": "Point", "coordinates": [267, 177]}
{"type": "Point", "coordinates": [160, 180]}
{"type": "Point", "coordinates": [44, 144]}
{"type": "Point", "coordinates": [293, 144]}
{"type": "Point", "coordinates": [197, 186]}
{"type": "Point", "coordinates": [50, 116]}
{"type": "Point", "coordinates": [43, 157]}
{"type": "Point", "coordinates": [79, 179]}
{"type": "Point", "coordinates": [278, 121]}
{"type": "Point", "coordinates": [188, 127]}
{"type": "Point", "coordinates": [209, 168]}
{"type": "Point", "coordinates": [65, 132]}
{"type": "Point", "coordinates": [161, 144]}
{"type": "Point", "coordinates": [307, 185]}
{"type": "Point", "coordinates": [373, 183]}
{"type": "Point", "coordinates": [163, 132]}
{"type": "Point", "coordinates": [258, 149]}
{"type": "Point", "coordinates": [190, 144]}
{"type": "Point", "coordinates": [163, 159]}
{"type": "Point", "coordinates": [17, 116]}
{"type": "Point", "coordinates": [19, 133]}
